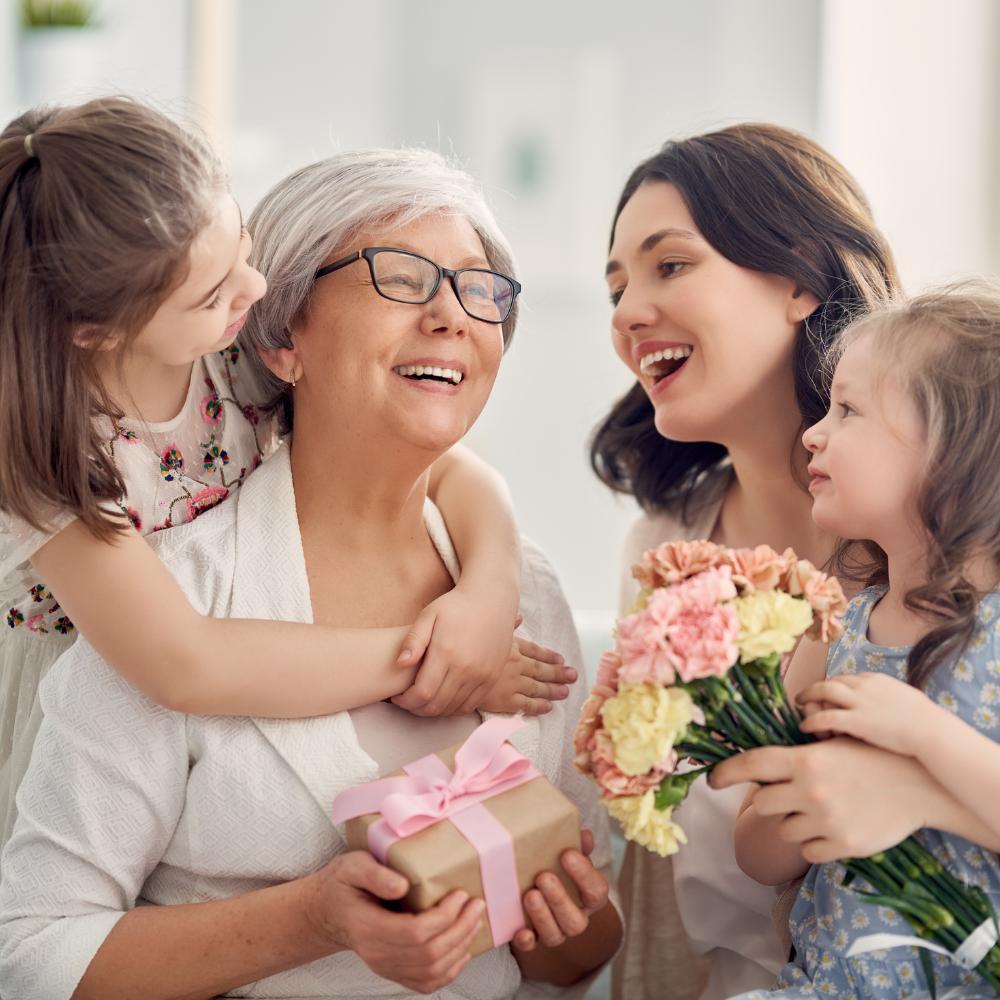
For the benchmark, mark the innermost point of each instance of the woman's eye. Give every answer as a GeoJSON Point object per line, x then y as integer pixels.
{"type": "Point", "coordinates": [668, 268]}
{"type": "Point", "coordinates": [215, 301]}
{"type": "Point", "coordinates": [615, 296]}
{"type": "Point", "coordinates": [401, 281]}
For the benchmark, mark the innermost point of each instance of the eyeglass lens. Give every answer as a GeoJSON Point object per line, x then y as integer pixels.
{"type": "Point", "coordinates": [404, 277]}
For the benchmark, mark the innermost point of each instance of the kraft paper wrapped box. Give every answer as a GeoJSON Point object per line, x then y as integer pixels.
{"type": "Point", "coordinates": [423, 822]}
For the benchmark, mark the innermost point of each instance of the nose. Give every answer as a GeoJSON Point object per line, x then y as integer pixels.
{"type": "Point", "coordinates": [814, 438]}
{"type": "Point", "coordinates": [252, 288]}
{"type": "Point", "coordinates": [444, 314]}
{"type": "Point", "coordinates": [633, 312]}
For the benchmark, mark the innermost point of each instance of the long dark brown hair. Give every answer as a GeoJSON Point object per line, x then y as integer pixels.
{"type": "Point", "coordinates": [943, 348]}
{"type": "Point", "coordinates": [772, 200]}
{"type": "Point", "coordinates": [99, 206]}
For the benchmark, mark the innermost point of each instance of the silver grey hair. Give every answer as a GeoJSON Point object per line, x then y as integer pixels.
{"type": "Point", "coordinates": [305, 218]}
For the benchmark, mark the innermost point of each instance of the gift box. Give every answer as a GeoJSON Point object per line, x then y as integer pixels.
{"type": "Point", "coordinates": [477, 816]}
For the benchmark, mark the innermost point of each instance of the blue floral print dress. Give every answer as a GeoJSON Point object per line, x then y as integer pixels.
{"type": "Point", "coordinates": [827, 917]}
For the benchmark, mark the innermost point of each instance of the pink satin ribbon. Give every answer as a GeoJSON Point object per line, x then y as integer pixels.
{"type": "Point", "coordinates": [485, 765]}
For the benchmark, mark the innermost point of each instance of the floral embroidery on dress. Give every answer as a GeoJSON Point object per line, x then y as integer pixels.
{"type": "Point", "coordinates": [211, 405]}
{"type": "Point", "coordinates": [171, 463]}
{"type": "Point", "coordinates": [15, 617]}
{"type": "Point", "coordinates": [208, 498]}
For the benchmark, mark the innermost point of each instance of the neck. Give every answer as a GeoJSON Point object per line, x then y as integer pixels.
{"type": "Point", "coordinates": [362, 496]}
{"type": "Point", "coordinates": [766, 503]}
{"type": "Point", "coordinates": [145, 390]}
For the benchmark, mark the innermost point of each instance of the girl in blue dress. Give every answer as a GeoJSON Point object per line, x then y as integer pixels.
{"type": "Point", "coordinates": [908, 459]}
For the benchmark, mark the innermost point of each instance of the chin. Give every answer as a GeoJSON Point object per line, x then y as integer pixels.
{"type": "Point", "coordinates": [674, 423]}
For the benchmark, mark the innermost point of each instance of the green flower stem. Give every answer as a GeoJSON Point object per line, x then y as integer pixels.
{"type": "Point", "coordinates": [752, 700]}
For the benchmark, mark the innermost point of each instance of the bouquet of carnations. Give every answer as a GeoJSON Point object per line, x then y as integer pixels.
{"type": "Point", "coordinates": [695, 676]}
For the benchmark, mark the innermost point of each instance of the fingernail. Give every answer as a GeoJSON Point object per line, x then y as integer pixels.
{"type": "Point", "coordinates": [405, 655]}
{"type": "Point", "coordinates": [462, 897]}
{"type": "Point", "coordinates": [571, 674]}
{"type": "Point", "coordinates": [478, 907]}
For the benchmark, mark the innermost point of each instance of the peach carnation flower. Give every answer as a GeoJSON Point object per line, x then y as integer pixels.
{"type": "Point", "coordinates": [674, 561]}
{"type": "Point", "coordinates": [756, 569]}
{"type": "Point", "coordinates": [823, 592]}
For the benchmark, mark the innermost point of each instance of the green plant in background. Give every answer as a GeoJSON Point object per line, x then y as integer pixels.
{"type": "Point", "coordinates": [57, 13]}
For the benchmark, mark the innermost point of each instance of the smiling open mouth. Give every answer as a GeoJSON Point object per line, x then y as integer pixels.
{"type": "Point", "coordinates": [422, 373]}
{"type": "Point", "coordinates": [660, 364]}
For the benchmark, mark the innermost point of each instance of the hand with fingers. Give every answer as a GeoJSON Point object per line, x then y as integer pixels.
{"type": "Point", "coordinates": [876, 708]}
{"type": "Point", "coordinates": [532, 678]}
{"type": "Point", "coordinates": [835, 799]}
{"type": "Point", "coordinates": [423, 952]}
{"type": "Point", "coordinates": [559, 923]}
{"type": "Point", "coordinates": [462, 672]}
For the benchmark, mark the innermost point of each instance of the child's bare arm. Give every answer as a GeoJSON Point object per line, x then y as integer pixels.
{"type": "Point", "coordinates": [133, 612]}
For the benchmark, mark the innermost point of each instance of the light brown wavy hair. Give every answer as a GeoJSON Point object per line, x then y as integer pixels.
{"type": "Point", "coordinates": [943, 347]}
{"type": "Point", "coordinates": [98, 212]}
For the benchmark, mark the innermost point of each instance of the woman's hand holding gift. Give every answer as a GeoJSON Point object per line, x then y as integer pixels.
{"type": "Point", "coordinates": [423, 952]}
{"type": "Point", "coordinates": [878, 709]}
{"type": "Point", "coordinates": [553, 913]}
{"type": "Point", "coordinates": [566, 940]}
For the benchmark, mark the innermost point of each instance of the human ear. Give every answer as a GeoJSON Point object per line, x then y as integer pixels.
{"type": "Point", "coordinates": [95, 338]}
{"type": "Point", "coordinates": [283, 362]}
{"type": "Point", "coordinates": [801, 305]}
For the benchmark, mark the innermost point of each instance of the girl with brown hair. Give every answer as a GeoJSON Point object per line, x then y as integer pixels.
{"type": "Point", "coordinates": [125, 408]}
{"type": "Point", "coordinates": [907, 460]}
{"type": "Point", "coordinates": [736, 259]}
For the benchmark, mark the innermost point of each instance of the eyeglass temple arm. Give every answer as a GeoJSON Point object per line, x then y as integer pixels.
{"type": "Point", "coordinates": [337, 264]}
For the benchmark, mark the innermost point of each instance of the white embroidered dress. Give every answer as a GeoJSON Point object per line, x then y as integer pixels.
{"type": "Point", "coordinates": [173, 471]}
{"type": "Point", "coordinates": [127, 803]}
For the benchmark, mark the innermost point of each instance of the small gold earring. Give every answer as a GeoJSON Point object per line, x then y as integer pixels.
{"type": "Point", "coordinates": [291, 377]}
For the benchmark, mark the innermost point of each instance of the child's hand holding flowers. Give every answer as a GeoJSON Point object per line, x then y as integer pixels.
{"type": "Point", "coordinates": [876, 708]}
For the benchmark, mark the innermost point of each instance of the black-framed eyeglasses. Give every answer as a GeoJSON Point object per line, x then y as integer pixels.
{"type": "Point", "coordinates": [402, 276]}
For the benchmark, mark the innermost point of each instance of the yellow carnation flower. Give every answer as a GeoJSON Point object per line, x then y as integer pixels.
{"type": "Point", "coordinates": [648, 826]}
{"type": "Point", "coordinates": [770, 622]}
{"type": "Point", "coordinates": [644, 721]}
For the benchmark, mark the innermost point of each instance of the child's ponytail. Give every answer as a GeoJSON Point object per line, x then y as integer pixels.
{"type": "Point", "coordinates": [99, 206]}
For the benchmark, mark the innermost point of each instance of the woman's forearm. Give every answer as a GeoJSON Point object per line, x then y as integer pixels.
{"type": "Point", "coordinates": [761, 853]}
{"type": "Point", "coordinates": [195, 951]}
{"type": "Point", "coordinates": [577, 956]}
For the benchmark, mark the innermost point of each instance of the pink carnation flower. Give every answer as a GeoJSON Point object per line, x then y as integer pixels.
{"type": "Point", "coordinates": [760, 568]}
{"type": "Point", "coordinates": [674, 561]}
{"type": "Point", "coordinates": [685, 630]}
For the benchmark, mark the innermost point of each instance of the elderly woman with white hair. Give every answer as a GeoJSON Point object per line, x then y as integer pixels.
{"type": "Point", "coordinates": [162, 855]}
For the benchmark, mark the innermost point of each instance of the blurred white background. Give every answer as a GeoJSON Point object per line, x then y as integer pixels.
{"type": "Point", "coordinates": [551, 104]}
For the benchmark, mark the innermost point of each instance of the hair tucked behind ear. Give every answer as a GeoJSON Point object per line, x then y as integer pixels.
{"type": "Point", "coordinates": [98, 211]}
{"type": "Point", "coordinates": [769, 199]}
{"type": "Point", "coordinates": [944, 350]}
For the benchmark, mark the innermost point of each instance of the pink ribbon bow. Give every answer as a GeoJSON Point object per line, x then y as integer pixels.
{"type": "Point", "coordinates": [485, 765]}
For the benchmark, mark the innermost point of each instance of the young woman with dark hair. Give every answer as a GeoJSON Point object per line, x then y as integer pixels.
{"type": "Point", "coordinates": [736, 258]}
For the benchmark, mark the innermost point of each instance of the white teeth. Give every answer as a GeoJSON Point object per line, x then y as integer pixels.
{"type": "Point", "coordinates": [451, 374]}
{"type": "Point", "coordinates": [670, 354]}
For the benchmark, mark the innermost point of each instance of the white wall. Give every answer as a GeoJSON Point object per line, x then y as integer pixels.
{"type": "Point", "coordinates": [910, 101]}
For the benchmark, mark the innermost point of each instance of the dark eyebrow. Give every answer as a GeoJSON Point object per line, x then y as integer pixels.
{"type": "Point", "coordinates": [651, 241]}
{"type": "Point", "coordinates": [205, 299]}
